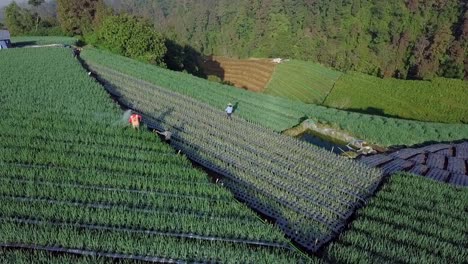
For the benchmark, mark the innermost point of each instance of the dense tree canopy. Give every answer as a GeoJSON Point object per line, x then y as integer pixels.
{"type": "Point", "coordinates": [131, 37]}
{"type": "Point", "coordinates": [18, 20]}
{"type": "Point", "coordinates": [400, 38]}
{"type": "Point", "coordinates": [77, 16]}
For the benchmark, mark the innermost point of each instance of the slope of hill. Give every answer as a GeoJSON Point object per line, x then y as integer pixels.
{"type": "Point", "coordinates": [440, 100]}
{"type": "Point", "coordinates": [74, 179]}
{"type": "Point", "coordinates": [308, 191]}
{"type": "Point", "coordinates": [279, 113]}
{"type": "Point", "coordinates": [302, 81]}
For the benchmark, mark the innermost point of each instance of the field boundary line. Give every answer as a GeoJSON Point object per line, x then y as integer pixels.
{"type": "Point", "coordinates": [269, 81]}
{"type": "Point", "coordinates": [331, 90]}
{"type": "Point", "coordinates": [146, 232]}
{"type": "Point", "coordinates": [90, 253]}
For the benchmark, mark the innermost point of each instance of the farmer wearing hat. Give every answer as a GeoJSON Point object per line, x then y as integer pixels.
{"type": "Point", "coordinates": [229, 110]}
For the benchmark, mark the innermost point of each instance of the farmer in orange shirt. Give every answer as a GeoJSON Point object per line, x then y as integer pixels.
{"type": "Point", "coordinates": [135, 120]}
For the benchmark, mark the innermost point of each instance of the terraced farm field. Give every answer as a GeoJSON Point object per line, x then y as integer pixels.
{"type": "Point", "coordinates": [411, 220]}
{"type": "Point", "coordinates": [309, 192]}
{"type": "Point", "coordinates": [251, 74]}
{"type": "Point", "coordinates": [302, 81]}
{"type": "Point", "coordinates": [278, 113]}
{"type": "Point", "coordinates": [74, 181]}
{"type": "Point", "coordinates": [440, 100]}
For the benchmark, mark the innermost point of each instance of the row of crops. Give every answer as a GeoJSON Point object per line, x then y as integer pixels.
{"type": "Point", "coordinates": [411, 220]}
{"type": "Point", "coordinates": [74, 181]}
{"type": "Point", "coordinates": [278, 113]}
{"type": "Point", "coordinates": [309, 192]}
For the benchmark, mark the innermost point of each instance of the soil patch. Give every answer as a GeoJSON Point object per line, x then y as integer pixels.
{"type": "Point", "coordinates": [250, 74]}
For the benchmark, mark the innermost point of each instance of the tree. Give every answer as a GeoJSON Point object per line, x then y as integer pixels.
{"type": "Point", "coordinates": [77, 16]}
{"type": "Point", "coordinates": [36, 3]}
{"type": "Point", "coordinates": [18, 20]}
{"type": "Point", "coordinates": [405, 38]}
{"type": "Point", "coordinates": [132, 37]}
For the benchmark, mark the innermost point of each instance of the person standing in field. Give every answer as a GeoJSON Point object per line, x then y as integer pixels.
{"type": "Point", "coordinates": [229, 110]}
{"type": "Point", "coordinates": [76, 53]}
{"type": "Point", "coordinates": [135, 120]}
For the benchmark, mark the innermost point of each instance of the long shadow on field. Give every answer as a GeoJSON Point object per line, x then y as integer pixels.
{"type": "Point", "coordinates": [373, 111]}
{"type": "Point", "coordinates": [235, 106]}
{"type": "Point", "coordinates": [183, 58]}
{"type": "Point", "coordinates": [212, 67]}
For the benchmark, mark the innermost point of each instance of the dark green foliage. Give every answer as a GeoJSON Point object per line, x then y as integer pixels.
{"type": "Point", "coordinates": [40, 22]}
{"type": "Point", "coordinates": [133, 38]}
{"type": "Point", "coordinates": [18, 20]}
{"type": "Point", "coordinates": [182, 58]}
{"type": "Point", "coordinates": [401, 38]}
{"type": "Point", "coordinates": [77, 16]}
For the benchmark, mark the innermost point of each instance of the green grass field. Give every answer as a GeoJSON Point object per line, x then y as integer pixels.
{"type": "Point", "coordinates": [302, 81]}
{"type": "Point", "coordinates": [24, 41]}
{"type": "Point", "coordinates": [411, 220]}
{"type": "Point", "coordinates": [439, 100]}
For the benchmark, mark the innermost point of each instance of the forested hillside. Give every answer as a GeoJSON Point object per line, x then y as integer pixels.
{"type": "Point", "coordinates": [400, 38]}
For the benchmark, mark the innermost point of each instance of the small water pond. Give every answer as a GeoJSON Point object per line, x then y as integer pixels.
{"type": "Point", "coordinates": [325, 142]}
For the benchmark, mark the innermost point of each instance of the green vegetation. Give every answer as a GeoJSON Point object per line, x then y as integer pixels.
{"type": "Point", "coordinates": [309, 191]}
{"type": "Point", "coordinates": [73, 177]}
{"type": "Point", "coordinates": [131, 37]}
{"type": "Point", "coordinates": [279, 113]}
{"type": "Point", "coordinates": [22, 20]}
{"type": "Point", "coordinates": [401, 38]}
{"type": "Point", "coordinates": [440, 100]}
{"type": "Point", "coordinates": [77, 17]}
{"type": "Point", "coordinates": [411, 220]}
{"type": "Point", "coordinates": [28, 257]}
{"type": "Point", "coordinates": [42, 40]}
{"type": "Point", "coordinates": [302, 81]}
{"type": "Point", "coordinates": [18, 20]}
{"type": "Point", "coordinates": [262, 109]}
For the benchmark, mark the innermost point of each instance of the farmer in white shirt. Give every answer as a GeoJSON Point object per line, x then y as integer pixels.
{"type": "Point", "coordinates": [229, 110]}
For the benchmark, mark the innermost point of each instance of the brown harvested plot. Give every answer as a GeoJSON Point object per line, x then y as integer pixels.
{"type": "Point", "coordinates": [251, 74]}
